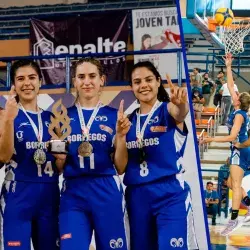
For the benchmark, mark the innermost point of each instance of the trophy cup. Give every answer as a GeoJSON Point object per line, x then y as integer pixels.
{"type": "Point", "coordinates": [59, 128]}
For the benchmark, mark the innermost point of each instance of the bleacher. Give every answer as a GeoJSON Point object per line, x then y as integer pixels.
{"type": "Point", "coordinates": [14, 21]}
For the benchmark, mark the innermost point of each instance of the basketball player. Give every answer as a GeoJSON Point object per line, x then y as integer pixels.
{"type": "Point", "coordinates": [158, 199]}
{"type": "Point", "coordinates": [30, 193]}
{"type": "Point", "coordinates": [92, 196]}
{"type": "Point", "coordinates": [238, 123]}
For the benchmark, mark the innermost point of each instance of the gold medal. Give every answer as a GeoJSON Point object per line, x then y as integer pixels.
{"type": "Point", "coordinates": [85, 149]}
{"type": "Point", "coordinates": [39, 156]}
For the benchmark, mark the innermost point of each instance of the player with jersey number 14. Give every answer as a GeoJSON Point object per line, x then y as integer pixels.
{"type": "Point", "coordinates": [30, 190]}
{"type": "Point", "coordinates": [92, 196]}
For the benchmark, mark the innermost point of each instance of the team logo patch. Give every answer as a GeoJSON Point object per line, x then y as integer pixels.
{"type": "Point", "coordinates": [158, 128]}
{"type": "Point", "coordinates": [14, 243]}
{"type": "Point", "coordinates": [19, 135]}
{"type": "Point", "coordinates": [176, 242]}
{"type": "Point", "coordinates": [106, 129]}
{"type": "Point", "coordinates": [66, 236]}
{"type": "Point", "coordinates": [114, 244]}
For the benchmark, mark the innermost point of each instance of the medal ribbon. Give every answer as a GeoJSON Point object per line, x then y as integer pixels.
{"type": "Point", "coordinates": [38, 131]}
{"type": "Point", "coordinates": [140, 133]}
{"type": "Point", "coordinates": [86, 129]}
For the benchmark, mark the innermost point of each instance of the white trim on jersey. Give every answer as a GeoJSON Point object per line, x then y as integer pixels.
{"type": "Point", "coordinates": [191, 235]}
{"type": "Point", "coordinates": [235, 160]}
{"type": "Point", "coordinates": [2, 205]}
{"type": "Point", "coordinates": [125, 214]}
{"type": "Point", "coordinates": [179, 140]}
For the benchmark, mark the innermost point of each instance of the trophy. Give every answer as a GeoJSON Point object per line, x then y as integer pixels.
{"type": "Point", "coordinates": [59, 128]}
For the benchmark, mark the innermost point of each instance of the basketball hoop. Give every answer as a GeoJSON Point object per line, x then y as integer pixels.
{"type": "Point", "coordinates": [233, 36]}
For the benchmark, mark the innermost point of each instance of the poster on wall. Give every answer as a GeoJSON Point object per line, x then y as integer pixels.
{"type": "Point", "coordinates": [102, 33]}
{"type": "Point", "coordinates": [156, 29]}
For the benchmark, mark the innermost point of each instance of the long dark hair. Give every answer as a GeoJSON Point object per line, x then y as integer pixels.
{"type": "Point", "coordinates": [23, 63]}
{"type": "Point", "coordinates": [162, 95]}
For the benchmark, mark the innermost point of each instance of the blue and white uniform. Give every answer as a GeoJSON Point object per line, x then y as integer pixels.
{"type": "Point", "coordinates": [158, 199]}
{"type": "Point", "coordinates": [240, 157]}
{"type": "Point", "coordinates": [30, 194]}
{"type": "Point", "coordinates": [92, 197]}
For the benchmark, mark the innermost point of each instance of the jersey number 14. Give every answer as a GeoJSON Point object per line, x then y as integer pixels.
{"type": "Point", "coordinates": [47, 170]}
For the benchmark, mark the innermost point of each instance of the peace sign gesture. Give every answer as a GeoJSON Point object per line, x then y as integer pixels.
{"type": "Point", "coordinates": [123, 124]}
{"type": "Point", "coordinates": [178, 95]}
{"type": "Point", "coordinates": [11, 106]}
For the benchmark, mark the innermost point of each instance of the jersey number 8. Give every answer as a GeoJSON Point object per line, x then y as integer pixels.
{"type": "Point", "coordinates": [144, 169]}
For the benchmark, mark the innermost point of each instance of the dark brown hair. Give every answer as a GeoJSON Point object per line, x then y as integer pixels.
{"type": "Point", "coordinates": [23, 63]}
{"type": "Point", "coordinates": [162, 95]}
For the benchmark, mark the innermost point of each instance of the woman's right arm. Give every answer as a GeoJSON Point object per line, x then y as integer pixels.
{"type": "Point", "coordinates": [7, 130]}
{"type": "Point", "coordinates": [121, 153]}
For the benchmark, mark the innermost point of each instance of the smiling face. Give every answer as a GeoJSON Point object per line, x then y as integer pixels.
{"type": "Point", "coordinates": [27, 83]}
{"type": "Point", "coordinates": [145, 85]}
{"type": "Point", "coordinates": [88, 81]}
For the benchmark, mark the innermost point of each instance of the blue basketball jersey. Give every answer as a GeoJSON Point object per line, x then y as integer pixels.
{"type": "Point", "coordinates": [163, 145]}
{"type": "Point", "coordinates": [243, 133]}
{"type": "Point", "coordinates": [101, 136]}
{"type": "Point", "coordinates": [22, 166]}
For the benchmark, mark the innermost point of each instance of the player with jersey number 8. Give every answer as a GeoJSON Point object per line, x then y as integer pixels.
{"type": "Point", "coordinates": [92, 197]}
{"type": "Point", "coordinates": [30, 192]}
{"type": "Point", "coordinates": [158, 199]}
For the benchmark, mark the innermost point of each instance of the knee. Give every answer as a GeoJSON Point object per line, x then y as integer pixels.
{"type": "Point", "coordinates": [236, 184]}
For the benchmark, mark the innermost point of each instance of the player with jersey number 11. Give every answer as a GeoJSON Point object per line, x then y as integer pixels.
{"type": "Point", "coordinates": [158, 199]}
{"type": "Point", "coordinates": [92, 197]}
{"type": "Point", "coordinates": [30, 193]}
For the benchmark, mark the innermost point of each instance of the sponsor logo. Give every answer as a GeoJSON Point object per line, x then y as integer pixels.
{"type": "Point", "coordinates": [155, 120]}
{"type": "Point", "coordinates": [176, 242]}
{"type": "Point", "coordinates": [44, 47]}
{"type": "Point", "coordinates": [107, 129]}
{"type": "Point", "coordinates": [101, 118]}
{"type": "Point", "coordinates": [66, 236]}
{"type": "Point", "coordinates": [24, 124]}
{"type": "Point", "coordinates": [14, 243]}
{"type": "Point", "coordinates": [158, 128]}
{"type": "Point", "coordinates": [114, 244]}
{"type": "Point", "coordinates": [102, 45]}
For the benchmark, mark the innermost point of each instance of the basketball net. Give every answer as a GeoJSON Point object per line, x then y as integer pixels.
{"type": "Point", "coordinates": [233, 36]}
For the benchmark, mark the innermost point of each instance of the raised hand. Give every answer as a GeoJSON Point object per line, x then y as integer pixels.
{"type": "Point", "coordinates": [178, 95]}
{"type": "Point", "coordinates": [123, 124]}
{"type": "Point", "coordinates": [11, 106]}
{"type": "Point", "coordinates": [228, 59]}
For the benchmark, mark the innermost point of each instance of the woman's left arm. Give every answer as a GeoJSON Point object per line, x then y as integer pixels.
{"type": "Point", "coordinates": [178, 107]}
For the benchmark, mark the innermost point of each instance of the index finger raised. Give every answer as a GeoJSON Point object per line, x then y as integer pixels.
{"type": "Point", "coordinates": [12, 92]}
{"type": "Point", "coordinates": [121, 107]}
{"type": "Point", "coordinates": [169, 81]}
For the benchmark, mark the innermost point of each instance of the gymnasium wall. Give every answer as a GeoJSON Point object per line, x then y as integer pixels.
{"type": "Point", "coordinates": [15, 3]}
